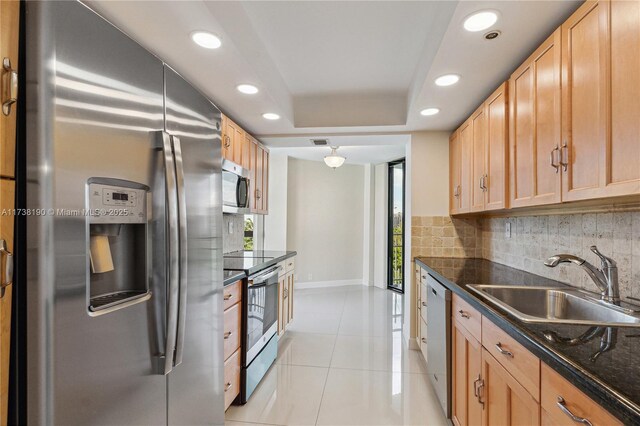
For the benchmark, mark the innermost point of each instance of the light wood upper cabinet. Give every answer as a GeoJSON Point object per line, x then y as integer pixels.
{"type": "Point", "coordinates": [496, 150]}
{"type": "Point", "coordinates": [466, 166]}
{"type": "Point", "coordinates": [621, 51]}
{"type": "Point", "coordinates": [583, 103]}
{"type": "Point", "coordinates": [9, 32]}
{"type": "Point", "coordinates": [455, 161]}
{"type": "Point", "coordinates": [478, 130]}
{"type": "Point", "coordinates": [534, 127]}
{"type": "Point", "coordinates": [241, 148]}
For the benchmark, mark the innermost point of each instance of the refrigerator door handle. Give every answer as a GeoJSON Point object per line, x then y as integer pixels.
{"type": "Point", "coordinates": [182, 223]}
{"type": "Point", "coordinates": [164, 143]}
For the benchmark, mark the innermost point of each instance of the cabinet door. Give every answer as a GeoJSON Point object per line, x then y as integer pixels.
{"type": "Point", "coordinates": [506, 402]}
{"type": "Point", "coordinates": [466, 166]}
{"type": "Point", "coordinates": [265, 181]}
{"type": "Point", "coordinates": [282, 318]}
{"type": "Point", "coordinates": [246, 151]}
{"type": "Point", "coordinates": [259, 175]}
{"type": "Point", "coordinates": [226, 139]}
{"type": "Point", "coordinates": [9, 30]}
{"type": "Point", "coordinates": [7, 200]}
{"type": "Point", "coordinates": [454, 172]}
{"type": "Point", "coordinates": [466, 363]}
{"type": "Point", "coordinates": [496, 178]}
{"type": "Point", "coordinates": [478, 159]}
{"type": "Point", "coordinates": [236, 136]}
{"type": "Point", "coordinates": [290, 296]}
{"type": "Point", "coordinates": [583, 106]}
{"type": "Point", "coordinates": [621, 165]}
{"type": "Point", "coordinates": [534, 123]}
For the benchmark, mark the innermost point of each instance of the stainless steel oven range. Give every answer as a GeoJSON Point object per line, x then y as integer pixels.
{"type": "Point", "coordinates": [260, 325]}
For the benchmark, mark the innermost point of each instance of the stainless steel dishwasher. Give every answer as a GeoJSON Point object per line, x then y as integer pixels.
{"type": "Point", "coordinates": [439, 341]}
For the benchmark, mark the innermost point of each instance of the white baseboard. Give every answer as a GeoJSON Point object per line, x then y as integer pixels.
{"type": "Point", "coordinates": [322, 284]}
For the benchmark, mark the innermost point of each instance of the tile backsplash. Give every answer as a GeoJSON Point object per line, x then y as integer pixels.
{"type": "Point", "coordinates": [232, 241]}
{"type": "Point", "coordinates": [535, 238]}
{"type": "Point", "coordinates": [443, 236]}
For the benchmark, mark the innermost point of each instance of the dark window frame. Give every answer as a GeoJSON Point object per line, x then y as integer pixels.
{"type": "Point", "coordinates": [390, 235]}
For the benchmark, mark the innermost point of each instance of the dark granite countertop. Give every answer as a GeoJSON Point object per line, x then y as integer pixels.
{"type": "Point", "coordinates": [253, 261]}
{"type": "Point", "coordinates": [231, 277]}
{"type": "Point", "coordinates": [612, 378]}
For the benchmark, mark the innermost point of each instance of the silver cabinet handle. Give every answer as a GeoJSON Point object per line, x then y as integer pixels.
{"type": "Point", "coordinates": [182, 223]}
{"type": "Point", "coordinates": [164, 143]}
{"type": "Point", "coordinates": [227, 141]}
{"type": "Point", "coordinates": [481, 185]}
{"type": "Point", "coordinates": [6, 278]}
{"type": "Point", "coordinates": [258, 194]}
{"type": "Point", "coordinates": [12, 86]}
{"type": "Point", "coordinates": [424, 340]}
{"type": "Point", "coordinates": [503, 351]}
{"type": "Point", "coordinates": [563, 407]}
{"type": "Point", "coordinates": [227, 335]}
{"type": "Point", "coordinates": [228, 296]}
{"type": "Point", "coordinates": [565, 150]}
{"type": "Point", "coordinates": [424, 304]}
{"type": "Point", "coordinates": [227, 387]}
{"type": "Point", "coordinates": [463, 314]}
{"type": "Point", "coordinates": [552, 163]}
{"type": "Point", "coordinates": [478, 385]}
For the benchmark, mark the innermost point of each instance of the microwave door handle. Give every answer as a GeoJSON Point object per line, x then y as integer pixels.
{"type": "Point", "coordinates": [164, 144]}
{"type": "Point", "coordinates": [182, 223]}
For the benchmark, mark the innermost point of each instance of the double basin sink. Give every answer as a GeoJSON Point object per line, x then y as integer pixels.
{"type": "Point", "coordinates": [557, 305]}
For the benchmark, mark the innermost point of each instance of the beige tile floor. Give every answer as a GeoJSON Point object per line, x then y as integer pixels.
{"type": "Point", "coordinates": [343, 361]}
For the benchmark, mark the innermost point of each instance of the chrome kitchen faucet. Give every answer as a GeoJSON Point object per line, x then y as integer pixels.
{"type": "Point", "coordinates": [606, 278]}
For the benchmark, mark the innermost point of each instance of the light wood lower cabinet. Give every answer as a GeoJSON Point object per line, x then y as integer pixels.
{"type": "Point", "coordinates": [285, 295]}
{"type": "Point", "coordinates": [232, 296]}
{"type": "Point", "coordinates": [505, 401]}
{"type": "Point", "coordinates": [466, 376]}
{"type": "Point", "coordinates": [560, 399]}
{"type": "Point", "coordinates": [499, 382]}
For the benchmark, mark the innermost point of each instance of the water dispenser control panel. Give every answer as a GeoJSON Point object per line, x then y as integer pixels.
{"type": "Point", "coordinates": [117, 204]}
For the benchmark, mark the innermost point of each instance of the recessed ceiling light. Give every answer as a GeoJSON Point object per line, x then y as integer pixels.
{"type": "Point", "coordinates": [480, 20]}
{"type": "Point", "coordinates": [447, 79]}
{"type": "Point", "coordinates": [206, 40]}
{"type": "Point", "coordinates": [270, 116]}
{"type": "Point", "coordinates": [248, 89]}
{"type": "Point", "coordinates": [430, 111]}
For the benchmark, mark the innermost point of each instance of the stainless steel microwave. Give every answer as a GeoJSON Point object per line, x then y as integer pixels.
{"type": "Point", "coordinates": [235, 188]}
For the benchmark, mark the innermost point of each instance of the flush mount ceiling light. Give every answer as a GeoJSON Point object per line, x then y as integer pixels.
{"type": "Point", "coordinates": [206, 39]}
{"type": "Point", "coordinates": [430, 111]}
{"type": "Point", "coordinates": [247, 89]}
{"type": "Point", "coordinates": [270, 116]}
{"type": "Point", "coordinates": [480, 20]}
{"type": "Point", "coordinates": [447, 79]}
{"type": "Point", "coordinates": [334, 160]}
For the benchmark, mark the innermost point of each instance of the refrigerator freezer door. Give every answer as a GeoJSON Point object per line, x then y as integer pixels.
{"type": "Point", "coordinates": [196, 394]}
{"type": "Point", "coordinates": [95, 102]}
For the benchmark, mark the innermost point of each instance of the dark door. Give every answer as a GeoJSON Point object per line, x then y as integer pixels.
{"type": "Point", "coordinates": [395, 225]}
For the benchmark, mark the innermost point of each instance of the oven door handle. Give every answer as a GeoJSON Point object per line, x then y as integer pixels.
{"type": "Point", "coordinates": [263, 276]}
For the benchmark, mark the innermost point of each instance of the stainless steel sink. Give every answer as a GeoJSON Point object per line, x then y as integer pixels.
{"type": "Point", "coordinates": [557, 305]}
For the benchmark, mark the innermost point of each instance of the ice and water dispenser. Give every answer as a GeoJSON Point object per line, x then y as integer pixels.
{"type": "Point", "coordinates": [117, 244]}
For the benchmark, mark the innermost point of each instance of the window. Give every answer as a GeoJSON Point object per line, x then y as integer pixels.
{"type": "Point", "coordinates": [249, 226]}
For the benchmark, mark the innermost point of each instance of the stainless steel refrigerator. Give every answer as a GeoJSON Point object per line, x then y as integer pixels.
{"type": "Point", "coordinates": [124, 246]}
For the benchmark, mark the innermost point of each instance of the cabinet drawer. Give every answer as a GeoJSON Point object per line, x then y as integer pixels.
{"type": "Point", "coordinates": [515, 358]}
{"type": "Point", "coordinates": [290, 264]}
{"type": "Point", "coordinates": [232, 294]}
{"type": "Point", "coordinates": [232, 318]}
{"type": "Point", "coordinates": [231, 378]}
{"type": "Point", "coordinates": [467, 316]}
{"type": "Point", "coordinates": [282, 271]}
{"type": "Point", "coordinates": [423, 301]}
{"type": "Point", "coordinates": [553, 387]}
{"type": "Point", "coordinates": [423, 339]}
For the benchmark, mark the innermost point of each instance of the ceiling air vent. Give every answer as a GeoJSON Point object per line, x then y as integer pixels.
{"type": "Point", "coordinates": [320, 142]}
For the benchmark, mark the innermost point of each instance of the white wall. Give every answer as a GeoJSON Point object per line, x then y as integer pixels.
{"type": "Point", "coordinates": [427, 195]}
{"type": "Point", "coordinates": [324, 221]}
{"type": "Point", "coordinates": [275, 223]}
{"type": "Point", "coordinates": [381, 220]}
{"type": "Point", "coordinates": [430, 173]}
{"type": "Point", "coordinates": [368, 226]}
